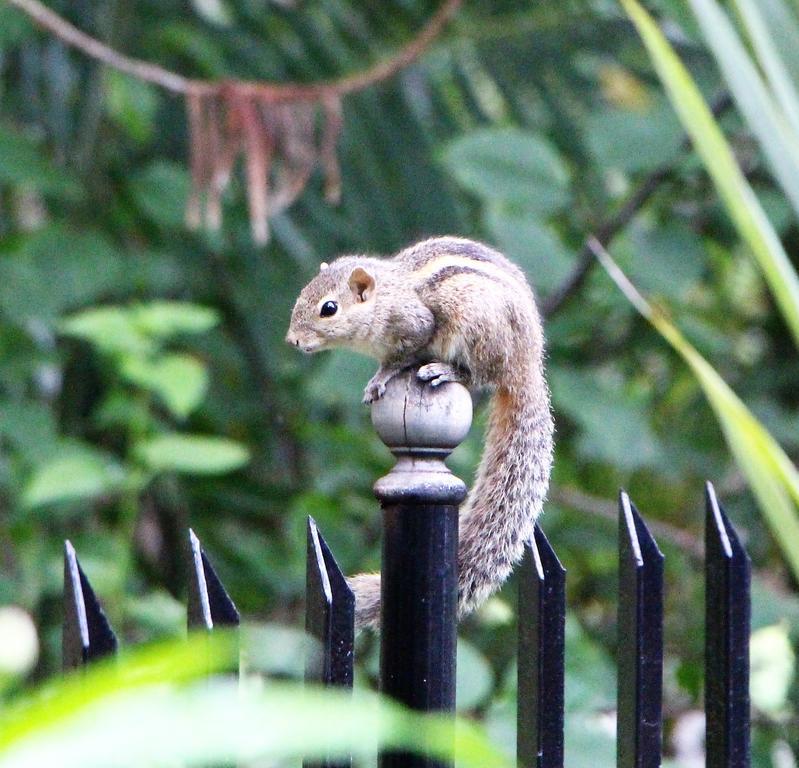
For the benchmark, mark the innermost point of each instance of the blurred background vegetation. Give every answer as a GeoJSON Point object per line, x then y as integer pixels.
{"type": "Point", "coordinates": [145, 384]}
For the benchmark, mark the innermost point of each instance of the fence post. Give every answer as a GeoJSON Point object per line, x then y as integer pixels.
{"type": "Point", "coordinates": [209, 604]}
{"type": "Point", "coordinates": [727, 620]}
{"type": "Point", "coordinates": [421, 424]}
{"type": "Point", "coordinates": [330, 621]}
{"type": "Point", "coordinates": [640, 644]}
{"type": "Point", "coordinates": [87, 635]}
{"type": "Point", "coordinates": [542, 630]}
{"type": "Point", "coordinates": [329, 615]}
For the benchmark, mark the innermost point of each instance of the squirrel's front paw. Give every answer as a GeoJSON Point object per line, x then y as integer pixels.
{"type": "Point", "coordinates": [439, 373]}
{"type": "Point", "coordinates": [374, 390]}
{"type": "Point", "coordinates": [376, 387]}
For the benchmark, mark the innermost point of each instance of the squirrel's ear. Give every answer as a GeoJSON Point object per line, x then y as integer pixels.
{"type": "Point", "coordinates": [362, 284]}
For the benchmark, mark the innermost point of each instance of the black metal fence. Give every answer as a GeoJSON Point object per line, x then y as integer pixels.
{"type": "Point", "coordinates": [419, 502]}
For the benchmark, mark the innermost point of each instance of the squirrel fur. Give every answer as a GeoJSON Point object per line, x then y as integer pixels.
{"type": "Point", "coordinates": [459, 311]}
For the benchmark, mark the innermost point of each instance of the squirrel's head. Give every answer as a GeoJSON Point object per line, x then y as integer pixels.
{"type": "Point", "coordinates": [336, 308]}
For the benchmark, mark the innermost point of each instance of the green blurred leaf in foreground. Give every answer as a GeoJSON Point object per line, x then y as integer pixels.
{"type": "Point", "coordinates": [769, 471]}
{"type": "Point", "coordinates": [86, 719]}
{"type": "Point", "coordinates": [773, 664]}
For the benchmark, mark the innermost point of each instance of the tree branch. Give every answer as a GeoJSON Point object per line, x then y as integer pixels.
{"type": "Point", "coordinates": [175, 83]}
{"type": "Point", "coordinates": [612, 226]}
{"type": "Point", "coordinates": [71, 35]}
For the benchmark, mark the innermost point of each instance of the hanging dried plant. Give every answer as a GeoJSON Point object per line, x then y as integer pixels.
{"type": "Point", "coordinates": [280, 143]}
{"type": "Point", "coordinates": [281, 132]}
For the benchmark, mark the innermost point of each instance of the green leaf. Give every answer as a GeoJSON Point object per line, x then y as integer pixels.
{"type": "Point", "coordinates": [157, 613]}
{"type": "Point", "coordinates": [764, 41]}
{"type": "Point", "coordinates": [332, 383]}
{"type": "Point", "coordinates": [589, 741]}
{"type": "Point", "coordinates": [668, 259]}
{"type": "Point", "coordinates": [590, 674]}
{"type": "Point", "coordinates": [30, 427]}
{"type": "Point", "coordinates": [76, 473]}
{"type": "Point", "coordinates": [204, 52]}
{"type": "Point", "coordinates": [510, 165]}
{"type": "Point", "coordinates": [161, 190]}
{"type": "Point", "coordinates": [779, 143]}
{"type": "Point", "coordinates": [133, 330]}
{"type": "Point", "coordinates": [214, 11]}
{"type": "Point", "coordinates": [131, 103]}
{"type": "Point", "coordinates": [770, 473]}
{"type": "Point", "coordinates": [30, 717]}
{"type": "Point", "coordinates": [773, 664]}
{"type": "Point", "coordinates": [85, 719]}
{"type": "Point", "coordinates": [277, 649]}
{"type": "Point", "coordinates": [771, 604]}
{"type": "Point", "coordinates": [634, 140]}
{"type": "Point", "coordinates": [613, 419]}
{"type": "Point", "coordinates": [191, 454]}
{"type": "Point", "coordinates": [534, 246]}
{"type": "Point", "coordinates": [110, 329]}
{"type": "Point", "coordinates": [780, 25]}
{"type": "Point", "coordinates": [475, 678]}
{"type": "Point", "coordinates": [87, 264]}
{"type": "Point", "coordinates": [738, 197]}
{"type": "Point", "coordinates": [14, 26]}
{"type": "Point", "coordinates": [164, 319]}
{"type": "Point", "coordinates": [24, 161]}
{"type": "Point", "coordinates": [180, 381]}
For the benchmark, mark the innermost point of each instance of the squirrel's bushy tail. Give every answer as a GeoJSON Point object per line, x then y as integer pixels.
{"type": "Point", "coordinates": [366, 587]}
{"type": "Point", "coordinates": [499, 514]}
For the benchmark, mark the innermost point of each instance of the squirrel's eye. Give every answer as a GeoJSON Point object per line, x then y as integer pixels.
{"type": "Point", "coordinates": [328, 308]}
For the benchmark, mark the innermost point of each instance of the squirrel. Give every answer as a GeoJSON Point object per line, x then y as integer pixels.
{"type": "Point", "coordinates": [459, 311]}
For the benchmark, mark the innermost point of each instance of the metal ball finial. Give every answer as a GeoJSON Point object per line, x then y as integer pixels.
{"type": "Point", "coordinates": [421, 424]}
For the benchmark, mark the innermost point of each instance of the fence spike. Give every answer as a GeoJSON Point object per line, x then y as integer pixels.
{"type": "Point", "coordinates": [330, 621]}
{"type": "Point", "coordinates": [640, 642]}
{"type": "Point", "coordinates": [329, 616]}
{"type": "Point", "coordinates": [542, 615]}
{"type": "Point", "coordinates": [209, 604]}
{"type": "Point", "coordinates": [87, 634]}
{"type": "Point", "coordinates": [727, 625]}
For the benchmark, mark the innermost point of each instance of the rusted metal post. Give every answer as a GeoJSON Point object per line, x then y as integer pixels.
{"type": "Point", "coordinates": [421, 424]}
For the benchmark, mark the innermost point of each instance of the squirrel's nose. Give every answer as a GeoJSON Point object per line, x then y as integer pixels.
{"type": "Point", "coordinates": [292, 339]}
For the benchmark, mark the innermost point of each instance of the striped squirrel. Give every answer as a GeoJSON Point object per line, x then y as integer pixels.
{"type": "Point", "coordinates": [463, 312]}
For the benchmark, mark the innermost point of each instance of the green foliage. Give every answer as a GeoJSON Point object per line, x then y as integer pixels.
{"type": "Point", "coordinates": [133, 342]}
{"type": "Point", "coordinates": [145, 384]}
{"type": "Point", "coordinates": [86, 719]}
{"type": "Point", "coordinates": [22, 162]}
{"type": "Point", "coordinates": [770, 472]}
{"type": "Point", "coordinates": [511, 166]}
{"type": "Point", "coordinates": [741, 202]}
{"type": "Point", "coordinates": [73, 474]}
{"type": "Point", "coordinates": [191, 454]}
